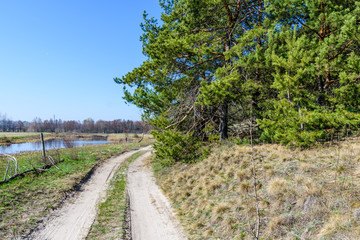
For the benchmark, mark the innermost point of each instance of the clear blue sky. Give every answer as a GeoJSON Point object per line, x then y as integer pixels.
{"type": "Point", "coordinates": [60, 57]}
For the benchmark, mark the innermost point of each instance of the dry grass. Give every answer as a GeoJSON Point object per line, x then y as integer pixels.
{"type": "Point", "coordinates": [304, 194]}
{"type": "Point", "coordinates": [116, 137]}
{"type": "Point", "coordinates": [18, 134]}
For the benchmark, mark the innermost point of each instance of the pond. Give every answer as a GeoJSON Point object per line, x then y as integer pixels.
{"type": "Point", "coordinates": [50, 144]}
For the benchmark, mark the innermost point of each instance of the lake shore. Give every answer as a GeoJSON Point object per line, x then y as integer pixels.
{"type": "Point", "coordinates": [7, 138]}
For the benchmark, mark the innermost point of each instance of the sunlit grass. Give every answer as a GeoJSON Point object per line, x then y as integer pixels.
{"type": "Point", "coordinates": [19, 134]}
{"type": "Point", "coordinates": [303, 194]}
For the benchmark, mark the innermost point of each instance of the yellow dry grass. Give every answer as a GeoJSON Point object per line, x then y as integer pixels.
{"type": "Point", "coordinates": [18, 134]}
{"type": "Point", "coordinates": [133, 136]}
{"type": "Point", "coordinates": [303, 194]}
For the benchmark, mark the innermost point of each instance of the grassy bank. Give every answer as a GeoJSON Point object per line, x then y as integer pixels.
{"type": "Point", "coordinates": [302, 194]}
{"type": "Point", "coordinates": [25, 201]}
{"type": "Point", "coordinates": [111, 215]}
{"type": "Point", "coordinates": [14, 137]}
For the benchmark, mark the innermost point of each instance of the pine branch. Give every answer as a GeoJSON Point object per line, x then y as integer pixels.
{"type": "Point", "coordinates": [341, 50]}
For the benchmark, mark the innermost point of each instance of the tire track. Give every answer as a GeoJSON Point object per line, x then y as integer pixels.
{"type": "Point", "coordinates": [74, 219]}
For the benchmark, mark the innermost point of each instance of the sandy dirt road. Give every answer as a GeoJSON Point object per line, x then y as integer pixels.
{"type": "Point", "coordinates": [151, 215]}
{"type": "Point", "coordinates": [74, 219]}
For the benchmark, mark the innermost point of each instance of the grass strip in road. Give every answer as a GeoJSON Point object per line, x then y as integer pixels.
{"type": "Point", "coordinates": [111, 215]}
{"type": "Point", "coordinates": [25, 201]}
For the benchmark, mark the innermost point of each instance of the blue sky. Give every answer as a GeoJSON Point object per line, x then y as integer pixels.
{"type": "Point", "coordinates": [60, 57]}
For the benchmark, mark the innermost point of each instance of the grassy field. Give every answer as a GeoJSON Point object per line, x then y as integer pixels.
{"type": "Point", "coordinates": [25, 201]}
{"type": "Point", "coordinates": [302, 194]}
{"type": "Point", "coordinates": [18, 134]}
{"type": "Point", "coordinates": [15, 137]}
{"type": "Point", "coordinates": [111, 216]}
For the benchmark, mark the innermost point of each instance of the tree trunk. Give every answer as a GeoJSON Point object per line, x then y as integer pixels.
{"type": "Point", "coordinates": [320, 83]}
{"type": "Point", "coordinates": [223, 129]}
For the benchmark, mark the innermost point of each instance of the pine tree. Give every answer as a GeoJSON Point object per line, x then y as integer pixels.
{"type": "Point", "coordinates": [294, 63]}
{"type": "Point", "coordinates": [325, 84]}
{"type": "Point", "coordinates": [183, 56]}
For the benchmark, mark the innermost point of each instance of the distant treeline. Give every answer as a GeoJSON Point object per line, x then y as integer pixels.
{"type": "Point", "coordinates": [86, 126]}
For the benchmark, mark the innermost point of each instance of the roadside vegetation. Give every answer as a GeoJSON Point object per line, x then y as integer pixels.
{"type": "Point", "coordinates": [24, 201]}
{"type": "Point", "coordinates": [302, 194]}
{"type": "Point", "coordinates": [110, 222]}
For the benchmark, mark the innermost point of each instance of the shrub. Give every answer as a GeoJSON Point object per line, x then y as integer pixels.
{"type": "Point", "coordinates": [285, 125]}
{"type": "Point", "coordinates": [173, 146]}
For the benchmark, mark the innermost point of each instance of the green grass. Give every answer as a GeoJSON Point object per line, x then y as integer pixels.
{"type": "Point", "coordinates": [111, 213]}
{"type": "Point", "coordinates": [25, 201]}
{"type": "Point", "coordinates": [32, 160]}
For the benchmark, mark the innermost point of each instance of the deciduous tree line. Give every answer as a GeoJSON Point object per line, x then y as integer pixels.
{"type": "Point", "coordinates": [291, 67]}
{"type": "Point", "coordinates": [86, 126]}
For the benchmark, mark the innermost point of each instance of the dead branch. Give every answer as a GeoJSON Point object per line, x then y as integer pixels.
{"type": "Point", "coordinates": [6, 171]}
{"type": "Point", "coordinates": [20, 174]}
{"type": "Point", "coordinates": [209, 30]}
{"type": "Point", "coordinates": [51, 160]}
{"type": "Point", "coordinates": [205, 61]}
{"type": "Point", "coordinates": [14, 160]}
{"type": "Point", "coordinates": [142, 137]}
{"type": "Point", "coordinates": [183, 119]}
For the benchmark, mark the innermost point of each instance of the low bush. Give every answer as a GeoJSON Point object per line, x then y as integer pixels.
{"type": "Point", "coordinates": [173, 146]}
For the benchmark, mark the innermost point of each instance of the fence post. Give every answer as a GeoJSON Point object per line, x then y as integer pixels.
{"type": "Point", "coordinates": [43, 147]}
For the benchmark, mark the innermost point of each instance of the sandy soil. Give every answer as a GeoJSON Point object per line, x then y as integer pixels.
{"type": "Point", "coordinates": [74, 219]}
{"type": "Point", "coordinates": [151, 215]}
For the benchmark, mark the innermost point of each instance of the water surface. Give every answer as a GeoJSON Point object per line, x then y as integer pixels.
{"type": "Point", "coordinates": [50, 144]}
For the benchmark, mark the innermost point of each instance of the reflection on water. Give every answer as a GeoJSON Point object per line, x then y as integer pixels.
{"type": "Point", "coordinates": [50, 144]}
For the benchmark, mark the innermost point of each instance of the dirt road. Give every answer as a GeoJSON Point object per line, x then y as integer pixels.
{"type": "Point", "coordinates": [74, 219]}
{"type": "Point", "coordinates": [151, 215]}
